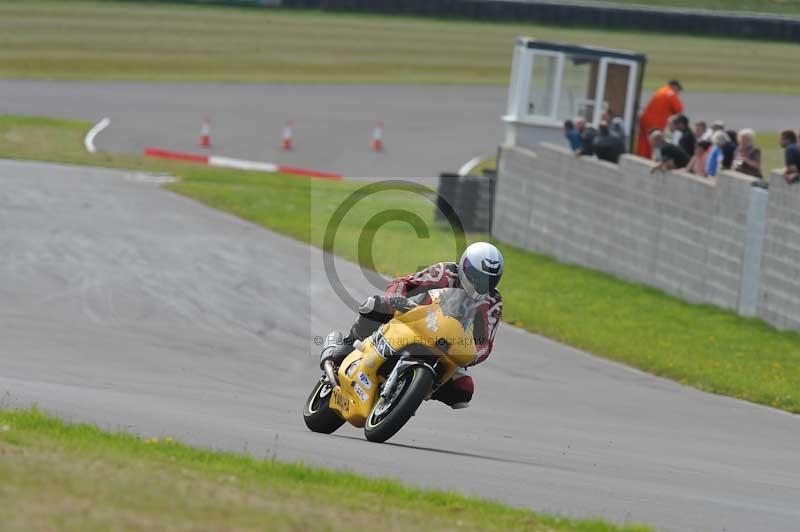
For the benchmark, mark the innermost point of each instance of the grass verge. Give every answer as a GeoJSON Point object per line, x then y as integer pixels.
{"type": "Point", "coordinates": [77, 477]}
{"type": "Point", "coordinates": [129, 41]}
{"type": "Point", "coordinates": [698, 345]}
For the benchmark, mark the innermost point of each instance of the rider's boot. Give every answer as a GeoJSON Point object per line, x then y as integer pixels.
{"type": "Point", "coordinates": [372, 313]}
{"type": "Point", "coordinates": [336, 347]}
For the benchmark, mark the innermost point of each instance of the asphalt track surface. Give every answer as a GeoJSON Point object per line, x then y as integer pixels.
{"type": "Point", "coordinates": [128, 306]}
{"type": "Point", "coordinates": [428, 129]}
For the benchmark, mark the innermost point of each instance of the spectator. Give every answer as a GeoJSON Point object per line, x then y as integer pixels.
{"type": "Point", "coordinates": [747, 158]}
{"type": "Point", "coordinates": [729, 149]}
{"type": "Point", "coordinates": [701, 131]}
{"type": "Point", "coordinates": [607, 146]}
{"type": "Point", "coordinates": [663, 104]}
{"type": "Point", "coordinates": [791, 156]}
{"type": "Point", "coordinates": [573, 137]}
{"type": "Point", "coordinates": [618, 129]}
{"type": "Point", "coordinates": [714, 160]}
{"type": "Point", "coordinates": [668, 156]}
{"type": "Point", "coordinates": [718, 125]}
{"type": "Point", "coordinates": [580, 124]}
{"type": "Point", "coordinates": [686, 140]}
{"type": "Point", "coordinates": [697, 164]}
{"type": "Point", "coordinates": [587, 134]}
{"type": "Point", "coordinates": [674, 132]}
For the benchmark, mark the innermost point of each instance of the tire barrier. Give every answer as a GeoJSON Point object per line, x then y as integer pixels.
{"type": "Point", "coordinates": [469, 198]}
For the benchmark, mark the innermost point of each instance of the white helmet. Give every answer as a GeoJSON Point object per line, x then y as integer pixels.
{"type": "Point", "coordinates": [480, 268]}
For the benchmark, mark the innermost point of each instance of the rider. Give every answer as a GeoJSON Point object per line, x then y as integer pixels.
{"type": "Point", "coordinates": [478, 273]}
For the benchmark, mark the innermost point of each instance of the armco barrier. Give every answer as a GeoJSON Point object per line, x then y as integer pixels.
{"type": "Point", "coordinates": [726, 243]}
{"type": "Point", "coordinates": [571, 13]}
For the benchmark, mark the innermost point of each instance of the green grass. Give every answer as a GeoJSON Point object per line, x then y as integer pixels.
{"type": "Point", "coordinates": [61, 140]}
{"type": "Point", "coordinates": [699, 345]}
{"type": "Point", "coordinates": [55, 476]}
{"type": "Point", "coordinates": [126, 41]}
{"type": "Point", "coordinates": [784, 7]}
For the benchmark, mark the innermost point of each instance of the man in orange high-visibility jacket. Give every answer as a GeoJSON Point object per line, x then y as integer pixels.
{"type": "Point", "coordinates": [664, 103]}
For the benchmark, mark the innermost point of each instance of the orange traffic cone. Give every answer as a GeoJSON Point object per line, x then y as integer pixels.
{"type": "Point", "coordinates": [286, 142]}
{"type": "Point", "coordinates": [377, 138]}
{"type": "Point", "coordinates": [205, 133]}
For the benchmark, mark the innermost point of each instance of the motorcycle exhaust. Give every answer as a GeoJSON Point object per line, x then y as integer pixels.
{"type": "Point", "coordinates": [330, 373]}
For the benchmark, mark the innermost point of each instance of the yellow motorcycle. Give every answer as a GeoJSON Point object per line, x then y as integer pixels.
{"type": "Point", "coordinates": [380, 385]}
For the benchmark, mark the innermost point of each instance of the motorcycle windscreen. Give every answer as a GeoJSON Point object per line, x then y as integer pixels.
{"type": "Point", "coordinates": [456, 303]}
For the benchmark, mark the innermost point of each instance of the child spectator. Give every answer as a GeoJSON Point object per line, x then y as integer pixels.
{"type": "Point", "coordinates": [668, 156]}
{"type": "Point", "coordinates": [573, 137]}
{"type": "Point", "coordinates": [747, 158]}
{"type": "Point", "coordinates": [697, 164]}
{"type": "Point", "coordinates": [791, 156]}
{"type": "Point", "coordinates": [714, 161]}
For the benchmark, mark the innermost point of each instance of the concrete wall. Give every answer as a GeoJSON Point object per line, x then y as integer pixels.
{"type": "Point", "coordinates": [682, 234]}
{"type": "Point", "coordinates": [779, 301]}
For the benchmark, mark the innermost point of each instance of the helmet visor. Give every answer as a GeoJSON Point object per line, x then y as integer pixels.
{"type": "Point", "coordinates": [482, 282]}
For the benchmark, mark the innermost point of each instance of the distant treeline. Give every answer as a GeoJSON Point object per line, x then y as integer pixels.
{"type": "Point", "coordinates": [553, 12]}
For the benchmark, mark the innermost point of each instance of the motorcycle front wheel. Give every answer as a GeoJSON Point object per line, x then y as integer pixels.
{"type": "Point", "coordinates": [388, 417]}
{"type": "Point", "coordinates": [317, 413]}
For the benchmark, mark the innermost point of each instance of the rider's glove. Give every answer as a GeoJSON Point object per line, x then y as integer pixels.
{"type": "Point", "coordinates": [382, 308]}
{"type": "Point", "coordinates": [400, 303]}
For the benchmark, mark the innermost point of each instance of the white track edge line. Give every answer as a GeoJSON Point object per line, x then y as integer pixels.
{"type": "Point", "coordinates": [88, 141]}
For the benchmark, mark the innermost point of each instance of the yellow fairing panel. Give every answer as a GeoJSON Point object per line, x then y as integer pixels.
{"type": "Point", "coordinates": [428, 325]}
{"type": "Point", "coordinates": [358, 386]}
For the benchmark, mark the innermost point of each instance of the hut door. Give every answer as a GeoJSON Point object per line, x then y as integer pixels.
{"type": "Point", "coordinates": [616, 87]}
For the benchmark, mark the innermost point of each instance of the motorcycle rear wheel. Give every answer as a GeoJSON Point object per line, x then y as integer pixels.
{"type": "Point", "coordinates": [381, 427]}
{"type": "Point", "coordinates": [317, 413]}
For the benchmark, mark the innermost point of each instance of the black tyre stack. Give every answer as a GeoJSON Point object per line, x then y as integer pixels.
{"type": "Point", "coordinates": [466, 201]}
